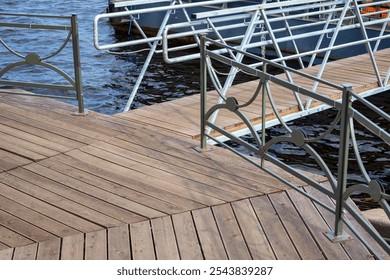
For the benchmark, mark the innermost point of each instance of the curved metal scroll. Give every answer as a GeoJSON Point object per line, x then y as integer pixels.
{"type": "Point", "coordinates": [343, 121]}
{"type": "Point", "coordinates": [34, 59]}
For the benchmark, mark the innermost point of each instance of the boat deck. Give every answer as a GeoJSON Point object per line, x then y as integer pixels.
{"type": "Point", "coordinates": [103, 187]}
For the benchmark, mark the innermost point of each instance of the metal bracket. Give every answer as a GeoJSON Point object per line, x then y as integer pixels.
{"type": "Point", "coordinates": [338, 238]}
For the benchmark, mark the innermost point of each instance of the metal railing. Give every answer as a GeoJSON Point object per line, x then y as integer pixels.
{"type": "Point", "coordinates": [309, 32]}
{"type": "Point", "coordinates": [33, 60]}
{"type": "Point", "coordinates": [139, 12]}
{"type": "Point", "coordinates": [255, 26]}
{"type": "Point", "coordinates": [346, 117]}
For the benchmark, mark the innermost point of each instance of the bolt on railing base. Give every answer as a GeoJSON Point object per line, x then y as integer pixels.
{"type": "Point", "coordinates": [338, 238]}
{"type": "Point", "coordinates": [77, 113]}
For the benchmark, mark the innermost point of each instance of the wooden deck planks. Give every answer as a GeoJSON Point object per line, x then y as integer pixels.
{"type": "Point", "coordinates": [173, 173]}
{"type": "Point", "coordinates": [365, 234]}
{"type": "Point", "coordinates": [44, 222]}
{"type": "Point", "coordinates": [38, 130]}
{"type": "Point", "coordinates": [96, 245]}
{"type": "Point", "coordinates": [123, 187]}
{"type": "Point", "coordinates": [179, 162]}
{"type": "Point", "coordinates": [142, 244]}
{"type": "Point", "coordinates": [49, 250]}
{"type": "Point", "coordinates": [72, 247]}
{"type": "Point", "coordinates": [34, 139]}
{"type": "Point", "coordinates": [34, 124]}
{"type": "Point", "coordinates": [122, 179]}
{"type": "Point", "coordinates": [317, 227]}
{"type": "Point", "coordinates": [164, 239]}
{"type": "Point", "coordinates": [15, 192]}
{"type": "Point", "coordinates": [252, 231]}
{"type": "Point", "coordinates": [233, 240]}
{"type": "Point", "coordinates": [23, 227]}
{"type": "Point", "coordinates": [276, 233]}
{"type": "Point", "coordinates": [150, 173]}
{"type": "Point", "coordinates": [119, 243]}
{"type": "Point", "coordinates": [27, 252]}
{"type": "Point", "coordinates": [186, 237]}
{"type": "Point", "coordinates": [98, 201]}
{"type": "Point", "coordinates": [210, 240]}
{"type": "Point", "coordinates": [12, 239]}
{"type": "Point", "coordinates": [3, 246]}
{"type": "Point", "coordinates": [10, 161]}
{"type": "Point", "coordinates": [214, 160]}
{"type": "Point", "coordinates": [6, 254]}
{"type": "Point", "coordinates": [124, 195]}
{"type": "Point", "coordinates": [227, 231]}
{"type": "Point", "coordinates": [66, 199]}
{"type": "Point", "coordinates": [21, 152]}
{"type": "Point", "coordinates": [168, 170]}
{"type": "Point", "coordinates": [354, 248]}
{"type": "Point", "coordinates": [299, 234]}
{"type": "Point", "coordinates": [30, 107]}
{"type": "Point", "coordinates": [22, 144]}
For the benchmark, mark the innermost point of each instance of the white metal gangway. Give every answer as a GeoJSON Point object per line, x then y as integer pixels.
{"type": "Point", "coordinates": [162, 12]}
{"type": "Point", "coordinates": [308, 31]}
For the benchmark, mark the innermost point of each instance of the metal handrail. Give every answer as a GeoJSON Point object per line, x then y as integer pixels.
{"type": "Point", "coordinates": [254, 25]}
{"type": "Point", "coordinates": [271, 14]}
{"type": "Point", "coordinates": [264, 6]}
{"type": "Point", "coordinates": [172, 28]}
{"type": "Point", "coordinates": [168, 8]}
{"type": "Point", "coordinates": [172, 6]}
{"type": "Point", "coordinates": [347, 115]}
{"type": "Point", "coordinates": [34, 59]}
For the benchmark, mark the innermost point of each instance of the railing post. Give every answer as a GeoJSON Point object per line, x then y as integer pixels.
{"type": "Point", "coordinates": [203, 93]}
{"type": "Point", "coordinates": [339, 234]}
{"type": "Point", "coordinates": [77, 65]}
{"type": "Point", "coordinates": [263, 110]}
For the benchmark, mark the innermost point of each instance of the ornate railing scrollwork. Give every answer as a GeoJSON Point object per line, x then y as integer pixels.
{"type": "Point", "coordinates": [343, 121]}
{"type": "Point", "coordinates": [34, 60]}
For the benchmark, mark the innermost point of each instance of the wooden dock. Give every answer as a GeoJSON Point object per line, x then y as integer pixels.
{"type": "Point", "coordinates": [102, 187]}
{"type": "Point", "coordinates": [182, 116]}
{"type": "Point", "coordinates": [132, 186]}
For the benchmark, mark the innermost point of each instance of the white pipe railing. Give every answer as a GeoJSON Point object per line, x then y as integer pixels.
{"type": "Point", "coordinates": [286, 22]}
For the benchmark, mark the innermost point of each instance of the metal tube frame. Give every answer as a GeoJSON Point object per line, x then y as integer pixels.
{"type": "Point", "coordinates": [279, 11]}
{"type": "Point", "coordinates": [329, 15]}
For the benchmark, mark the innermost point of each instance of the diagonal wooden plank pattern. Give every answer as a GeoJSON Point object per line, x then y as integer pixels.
{"type": "Point", "coordinates": [132, 186]}
{"type": "Point", "coordinates": [97, 173]}
{"type": "Point", "coordinates": [216, 232]}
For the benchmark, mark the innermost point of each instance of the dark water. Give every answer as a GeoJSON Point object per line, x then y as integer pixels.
{"type": "Point", "coordinates": [109, 78]}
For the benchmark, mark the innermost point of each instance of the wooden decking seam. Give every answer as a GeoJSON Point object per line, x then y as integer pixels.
{"type": "Point", "coordinates": [105, 247]}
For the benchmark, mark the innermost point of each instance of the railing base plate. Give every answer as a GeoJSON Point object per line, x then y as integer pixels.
{"type": "Point", "coordinates": [77, 113]}
{"type": "Point", "coordinates": [203, 150]}
{"type": "Point", "coordinates": [338, 238]}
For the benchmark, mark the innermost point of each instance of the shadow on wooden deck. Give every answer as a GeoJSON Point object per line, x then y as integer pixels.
{"type": "Point", "coordinates": [100, 187]}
